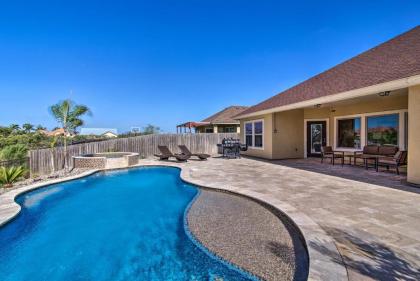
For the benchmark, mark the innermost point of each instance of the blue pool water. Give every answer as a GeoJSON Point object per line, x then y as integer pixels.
{"type": "Point", "coordinates": [123, 225]}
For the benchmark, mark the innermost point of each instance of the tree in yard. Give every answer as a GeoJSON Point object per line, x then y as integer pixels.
{"type": "Point", "coordinates": [15, 128]}
{"type": "Point", "coordinates": [27, 127]}
{"type": "Point", "coordinates": [150, 129]}
{"type": "Point", "coordinates": [40, 128]}
{"type": "Point", "coordinates": [69, 115]}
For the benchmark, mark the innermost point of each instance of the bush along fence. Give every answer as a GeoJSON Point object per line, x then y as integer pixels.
{"type": "Point", "coordinates": [24, 162]}
{"type": "Point", "coordinates": [45, 161]}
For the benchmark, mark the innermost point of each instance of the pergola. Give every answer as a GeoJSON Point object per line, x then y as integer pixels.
{"type": "Point", "coordinates": [188, 125]}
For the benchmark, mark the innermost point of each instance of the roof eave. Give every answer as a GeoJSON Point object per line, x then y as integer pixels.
{"type": "Point", "coordinates": [387, 86]}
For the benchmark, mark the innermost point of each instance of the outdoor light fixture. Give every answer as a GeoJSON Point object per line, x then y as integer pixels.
{"type": "Point", "coordinates": [317, 105]}
{"type": "Point", "coordinates": [384, 94]}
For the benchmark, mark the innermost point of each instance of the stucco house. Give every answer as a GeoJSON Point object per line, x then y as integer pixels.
{"type": "Point", "coordinates": [220, 122]}
{"type": "Point", "coordinates": [373, 98]}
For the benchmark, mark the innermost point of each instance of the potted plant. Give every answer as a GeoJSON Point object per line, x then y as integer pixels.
{"type": "Point", "coordinates": [8, 176]}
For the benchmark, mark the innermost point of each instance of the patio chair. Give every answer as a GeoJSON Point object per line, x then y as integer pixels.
{"type": "Point", "coordinates": [166, 154]}
{"type": "Point", "coordinates": [186, 151]}
{"type": "Point", "coordinates": [327, 152]}
{"type": "Point", "coordinates": [399, 159]}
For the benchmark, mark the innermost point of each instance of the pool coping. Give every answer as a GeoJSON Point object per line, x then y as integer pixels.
{"type": "Point", "coordinates": [321, 267]}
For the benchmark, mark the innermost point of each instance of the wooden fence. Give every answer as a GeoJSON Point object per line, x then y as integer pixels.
{"type": "Point", "coordinates": [45, 161]}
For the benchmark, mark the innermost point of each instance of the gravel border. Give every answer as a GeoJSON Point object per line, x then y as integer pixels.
{"type": "Point", "coordinates": [250, 235]}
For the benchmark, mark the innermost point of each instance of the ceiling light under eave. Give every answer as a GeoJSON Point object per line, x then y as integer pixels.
{"type": "Point", "coordinates": [384, 94]}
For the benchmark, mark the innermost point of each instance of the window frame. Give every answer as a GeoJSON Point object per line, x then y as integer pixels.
{"type": "Point", "coordinates": [363, 127]}
{"type": "Point", "coordinates": [381, 115]}
{"type": "Point", "coordinates": [337, 132]}
{"type": "Point", "coordinates": [252, 122]}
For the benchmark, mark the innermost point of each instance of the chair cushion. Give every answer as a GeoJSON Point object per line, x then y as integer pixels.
{"type": "Point", "coordinates": [387, 161]}
{"type": "Point", "coordinates": [371, 149]}
{"type": "Point", "coordinates": [387, 150]}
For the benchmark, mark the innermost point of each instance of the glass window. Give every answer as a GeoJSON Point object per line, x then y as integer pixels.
{"type": "Point", "coordinates": [254, 133]}
{"type": "Point", "coordinates": [248, 134]}
{"type": "Point", "coordinates": [258, 134]}
{"type": "Point", "coordinates": [382, 130]}
{"type": "Point", "coordinates": [316, 138]}
{"type": "Point", "coordinates": [349, 132]}
{"type": "Point", "coordinates": [229, 130]}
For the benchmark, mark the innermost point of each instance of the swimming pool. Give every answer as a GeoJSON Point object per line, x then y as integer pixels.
{"type": "Point", "coordinates": [121, 225]}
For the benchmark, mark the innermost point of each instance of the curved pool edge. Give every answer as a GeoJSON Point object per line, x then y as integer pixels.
{"type": "Point", "coordinates": [203, 248]}
{"type": "Point", "coordinates": [321, 267]}
{"type": "Point", "coordinates": [9, 208]}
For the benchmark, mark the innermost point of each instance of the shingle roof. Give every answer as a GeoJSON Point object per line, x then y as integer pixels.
{"type": "Point", "coordinates": [395, 59]}
{"type": "Point", "coordinates": [226, 115]}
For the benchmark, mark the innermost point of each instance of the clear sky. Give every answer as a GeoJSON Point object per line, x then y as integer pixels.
{"type": "Point", "coordinates": [166, 62]}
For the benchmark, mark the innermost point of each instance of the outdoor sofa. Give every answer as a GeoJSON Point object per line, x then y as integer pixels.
{"type": "Point", "coordinates": [384, 155]}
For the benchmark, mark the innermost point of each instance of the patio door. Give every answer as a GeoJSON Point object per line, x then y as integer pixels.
{"type": "Point", "coordinates": [316, 137]}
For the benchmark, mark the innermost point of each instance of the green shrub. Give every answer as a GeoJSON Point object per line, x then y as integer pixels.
{"type": "Point", "coordinates": [8, 176]}
{"type": "Point", "coordinates": [14, 151]}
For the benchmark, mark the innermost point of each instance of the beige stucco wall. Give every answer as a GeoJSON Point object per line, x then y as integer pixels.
{"type": "Point", "coordinates": [378, 104]}
{"type": "Point", "coordinates": [413, 175]}
{"type": "Point", "coordinates": [288, 134]}
{"type": "Point", "coordinates": [267, 151]}
{"type": "Point", "coordinates": [289, 141]}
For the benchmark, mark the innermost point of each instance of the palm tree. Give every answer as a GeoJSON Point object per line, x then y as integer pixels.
{"type": "Point", "coordinates": [69, 114]}
{"type": "Point", "coordinates": [15, 128]}
{"type": "Point", "coordinates": [27, 127]}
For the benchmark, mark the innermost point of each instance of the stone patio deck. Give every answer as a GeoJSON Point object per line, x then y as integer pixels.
{"type": "Point", "coordinates": [376, 228]}
{"type": "Point", "coordinates": [373, 219]}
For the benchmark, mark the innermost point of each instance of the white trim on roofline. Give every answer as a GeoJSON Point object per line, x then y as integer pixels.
{"type": "Point", "coordinates": [361, 92]}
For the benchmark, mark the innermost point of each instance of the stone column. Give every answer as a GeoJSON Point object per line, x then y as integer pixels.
{"type": "Point", "coordinates": [413, 175]}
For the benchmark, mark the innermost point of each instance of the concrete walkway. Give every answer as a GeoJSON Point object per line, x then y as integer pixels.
{"type": "Point", "coordinates": [375, 228]}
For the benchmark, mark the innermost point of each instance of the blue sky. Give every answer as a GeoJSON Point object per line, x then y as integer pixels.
{"type": "Point", "coordinates": [166, 62]}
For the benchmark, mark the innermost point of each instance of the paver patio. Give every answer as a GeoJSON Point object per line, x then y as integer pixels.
{"type": "Point", "coordinates": [375, 228]}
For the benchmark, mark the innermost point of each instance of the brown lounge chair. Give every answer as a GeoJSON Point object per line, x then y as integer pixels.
{"type": "Point", "coordinates": [186, 151]}
{"type": "Point", "coordinates": [327, 152]}
{"type": "Point", "coordinates": [399, 159]}
{"type": "Point", "coordinates": [166, 154]}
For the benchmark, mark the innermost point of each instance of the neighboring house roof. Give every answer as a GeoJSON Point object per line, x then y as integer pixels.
{"type": "Point", "coordinates": [395, 59]}
{"type": "Point", "coordinates": [97, 131]}
{"type": "Point", "coordinates": [226, 115]}
{"type": "Point", "coordinates": [54, 133]}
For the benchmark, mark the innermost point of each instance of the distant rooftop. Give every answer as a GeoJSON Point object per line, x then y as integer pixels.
{"type": "Point", "coordinates": [97, 131]}
{"type": "Point", "coordinates": [226, 115]}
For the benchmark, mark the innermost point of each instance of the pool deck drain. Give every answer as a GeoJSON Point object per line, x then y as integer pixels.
{"type": "Point", "coordinates": [247, 234]}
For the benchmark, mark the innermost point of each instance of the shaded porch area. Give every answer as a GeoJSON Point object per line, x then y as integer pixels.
{"type": "Point", "coordinates": [357, 173]}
